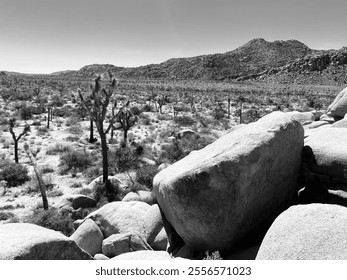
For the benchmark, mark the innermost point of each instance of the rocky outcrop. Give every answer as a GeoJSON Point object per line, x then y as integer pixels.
{"type": "Point", "coordinates": [329, 146]}
{"type": "Point", "coordinates": [217, 195]}
{"type": "Point", "coordinates": [307, 232]}
{"type": "Point", "coordinates": [144, 255]}
{"type": "Point", "coordinates": [89, 237]}
{"type": "Point", "coordinates": [22, 241]}
{"type": "Point", "coordinates": [338, 108]}
{"type": "Point", "coordinates": [144, 196]}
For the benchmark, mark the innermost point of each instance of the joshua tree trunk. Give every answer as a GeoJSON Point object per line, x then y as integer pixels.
{"type": "Point", "coordinates": [48, 116]}
{"type": "Point", "coordinates": [91, 135]}
{"type": "Point", "coordinates": [16, 151]}
{"type": "Point", "coordinates": [104, 157]}
{"type": "Point", "coordinates": [229, 100]}
{"type": "Point", "coordinates": [38, 177]}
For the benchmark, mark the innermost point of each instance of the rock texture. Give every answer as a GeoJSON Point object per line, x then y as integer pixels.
{"type": "Point", "coordinates": [338, 108]}
{"type": "Point", "coordinates": [121, 217]}
{"type": "Point", "coordinates": [307, 232]}
{"type": "Point", "coordinates": [144, 196]}
{"type": "Point", "coordinates": [216, 195]}
{"type": "Point", "coordinates": [21, 241]}
{"type": "Point", "coordinates": [89, 237]}
{"type": "Point", "coordinates": [118, 244]}
{"type": "Point", "coordinates": [329, 146]}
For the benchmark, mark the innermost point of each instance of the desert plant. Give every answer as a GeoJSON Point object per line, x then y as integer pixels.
{"type": "Point", "coordinates": [145, 175]}
{"type": "Point", "coordinates": [75, 160]}
{"type": "Point", "coordinates": [52, 219]}
{"type": "Point", "coordinates": [14, 174]}
{"type": "Point", "coordinates": [125, 120]}
{"type": "Point", "coordinates": [15, 138]}
{"type": "Point", "coordinates": [96, 105]}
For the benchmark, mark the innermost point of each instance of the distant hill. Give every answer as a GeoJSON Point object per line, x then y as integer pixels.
{"type": "Point", "coordinates": [280, 61]}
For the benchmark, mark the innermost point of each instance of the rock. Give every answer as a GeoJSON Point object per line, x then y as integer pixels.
{"type": "Point", "coordinates": [338, 108]}
{"type": "Point", "coordinates": [186, 134]}
{"type": "Point", "coordinates": [329, 146]}
{"type": "Point", "coordinates": [153, 222]}
{"type": "Point", "coordinates": [216, 195]}
{"type": "Point", "coordinates": [118, 244]}
{"type": "Point", "coordinates": [88, 237]}
{"type": "Point", "coordinates": [317, 124]}
{"type": "Point", "coordinates": [77, 223]}
{"type": "Point", "coordinates": [341, 124]}
{"type": "Point", "coordinates": [144, 255]}
{"type": "Point", "coordinates": [23, 241]}
{"type": "Point", "coordinates": [327, 118]}
{"type": "Point", "coordinates": [144, 196]}
{"type": "Point", "coordinates": [148, 161]}
{"type": "Point", "coordinates": [160, 242]}
{"type": "Point", "coordinates": [345, 117]}
{"type": "Point", "coordinates": [163, 166]}
{"type": "Point", "coordinates": [317, 114]}
{"type": "Point", "coordinates": [115, 180]}
{"type": "Point", "coordinates": [101, 257]}
{"type": "Point", "coordinates": [302, 117]}
{"type": "Point", "coordinates": [307, 232]}
{"type": "Point", "coordinates": [121, 217]}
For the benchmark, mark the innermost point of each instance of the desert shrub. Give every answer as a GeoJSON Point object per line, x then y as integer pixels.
{"type": "Point", "coordinates": [72, 120]}
{"type": "Point", "coordinates": [25, 113]}
{"type": "Point", "coordinates": [126, 158]}
{"type": "Point", "coordinates": [55, 193]}
{"type": "Point", "coordinates": [76, 129]}
{"type": "Point", "coordinates": [184, 121]}
{"type": "Point", "coordinates": [36, 123]}
{"type": "Point", "coordinates": [58, 149]}
{"type": "Point", "coordinates": [14, 174]}
{"type": "Point", "coordinates": [171, 153]}
{"type": "Point", "coordinates": [145, 120]}
{"type": "Point", "coordinates": [107, 192]}
{"type": "Point", "coordinates": [212, 256]}
{"type": "Point", "coordinates": [145, 175]}
{"type": "Point", "coordinates": [218, 113]}
{"type": "Point", "coordinates": [63, 112]}
{"type": "Point", "coordinates": [72, 138]}
{"type": "Point", "coordinates": [76, 185]}
{"type": "Point", "coordinates": [47, 169]}
{"type": "Point", "coordinates": [42, 130]}
{"type": "Point", "coordinates": [92, 172]}
{"type": "Point", "coordinates": [75, 160]}
{"type": "Point", "coordinates": [135, 110]}
{"type": "Point", "coordinates": [9, 217]}
{"type": "Point", "coordinates": [52, 219]}
{"type": "Point", "coordinates": [147, 108]}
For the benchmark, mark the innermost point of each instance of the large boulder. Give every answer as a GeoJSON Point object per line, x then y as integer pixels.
{"type": "Point", "coordinates": [153, 222]}
{"type": "Point", "coordinates": [23, 241]}
{"type": "Point", "coordinates": [121, 217]}
{"type": "Point", "coordinates": [216, 195]}
{"type": "Point", "coordinates": [302, 117]}
{"type": "Point", "coordinates": [89, 237]}
{"type": "Point", "coordinates": [338, 108]}
{"type": "Point", "coordinates": [307, 232]}
{"type": "Point", "coordinates": [341, 124]}
{"type": "Point", "coordinates": [118, 244]}
{"type": "Point", "coordinates": [329, 146]}
{"type": "Point", "coordinates": [77, 201]}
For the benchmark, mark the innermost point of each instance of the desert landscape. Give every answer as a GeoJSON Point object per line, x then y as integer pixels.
{"type": "Point", "coordinates": [240, 155]}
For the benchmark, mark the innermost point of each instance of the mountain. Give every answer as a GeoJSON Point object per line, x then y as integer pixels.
{"type": "Point", "coordinates": [280, 61]}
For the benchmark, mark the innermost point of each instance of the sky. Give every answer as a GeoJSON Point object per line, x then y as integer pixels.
{"type": "Point", "coordinates": [44, 36]}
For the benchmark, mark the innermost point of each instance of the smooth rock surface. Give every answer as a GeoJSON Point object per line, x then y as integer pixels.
{"type": "Point", "coordinates": [121, 217]}
{"type": "Point", "coordinates": [89, 237]}
{"type": "Point", "coordinates": [24, 241]}
{"type": "Point", "coordinates": [144, 255]}
{"type": "Point", "coordinates": [216, 195]}
{"type": "Point", "coordinates": [338, 108]}
{"type": "Point", "coordinates": [307, 232]}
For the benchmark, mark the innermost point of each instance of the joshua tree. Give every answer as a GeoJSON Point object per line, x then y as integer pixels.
{"type": "Point", "coordinates": [161, 102]}
{"type": "Point", "coordinates": [240, 100]}
{"type": "Point", "coordinates": [125, 119]}
{"type": "Point", "coordinates": [38, 177]}
{"type": "Point", "coordinates": [229, 101]}
{"type": "Point", "coordinates": [96, 105]}
{"type": "Point", "coordinates": [26, 130]}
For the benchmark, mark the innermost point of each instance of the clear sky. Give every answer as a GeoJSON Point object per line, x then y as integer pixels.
{"type": "Point", "coordinates": [43, 36]}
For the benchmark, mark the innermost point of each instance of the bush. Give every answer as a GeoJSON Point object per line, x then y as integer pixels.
{"type": "Point", "coordinates": [14, 174]}
{"type": "Point", "coordinates": [146, 174]}
{"type": "Point", "coordinates": [135, 110]}
{"type": "Point", "coordinates": [147, 108]}
{"type": "Point", "coordinates": [42, 130]}
{"type": "Point", "coordinates": [25, 113]}
{"type": "Point", "coordinates": [184, 121]}
{"type": "Point", "coordinates": [75, 159]}
{"type": "Point", "coordinates": [9, 217]}
{"type": "Point", "coordinates": [52, 219]}
{"type": "Point", "coordinates": [58, 149]}
{"type": "Point", "coordinates": [171, 153]}
{"type": "Point", "coordinates": [76, 185]}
